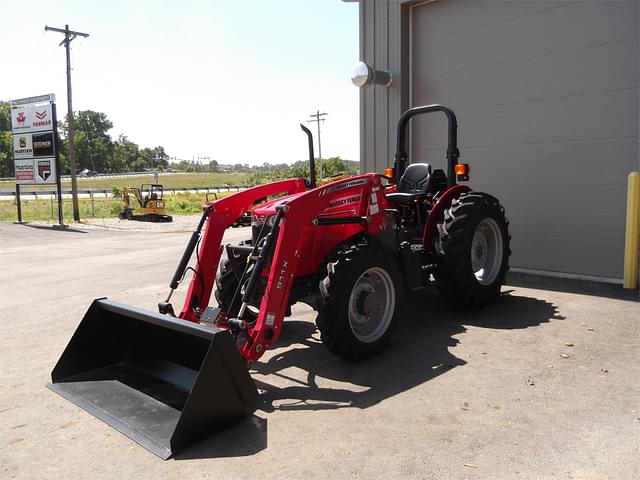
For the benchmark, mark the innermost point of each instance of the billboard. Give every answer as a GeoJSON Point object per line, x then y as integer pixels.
{"type": "Point", "coordinates": [34, 140]}
{"type": "Point", "coordinates": [22, 146]}
{"type": "Point", "coordinates": [24, 171]}
{"type": "Point", "coordinates": [32, 118]}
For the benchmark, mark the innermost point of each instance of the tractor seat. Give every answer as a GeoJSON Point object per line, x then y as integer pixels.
{"type": "Point", "coordinates": [413, 184]}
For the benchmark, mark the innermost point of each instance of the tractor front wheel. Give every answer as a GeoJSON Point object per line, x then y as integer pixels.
{"type": "Point", "coordinates": [228, 294]}
{"type": "Point", "coordinates": [360, 296]}
{"type": "Point", "coordinates": [474, 250]}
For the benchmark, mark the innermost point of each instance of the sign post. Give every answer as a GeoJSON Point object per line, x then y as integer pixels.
{"type": "Point", "coordinates": [36, 152]}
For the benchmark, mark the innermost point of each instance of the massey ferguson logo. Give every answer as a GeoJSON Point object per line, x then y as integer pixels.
{"type": "Point", "coordinates": [44, 169]}
{"type": "Point", "coordinates": [41, 115]}
{"type": "Point", "coordinates": [21, 118]}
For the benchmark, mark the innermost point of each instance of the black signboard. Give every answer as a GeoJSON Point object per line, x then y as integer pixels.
{"type": "Point", "coordinates": [43, 144]}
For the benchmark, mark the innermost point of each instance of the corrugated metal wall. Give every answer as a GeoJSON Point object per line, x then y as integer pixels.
{"type": "Point", "coordinates": [380, 107]}
{"type": "Point", "coordinates": [547, 99]}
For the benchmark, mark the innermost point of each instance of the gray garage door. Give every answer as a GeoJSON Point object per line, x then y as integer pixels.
{"type": "Point", "coordinates": [547, 99]}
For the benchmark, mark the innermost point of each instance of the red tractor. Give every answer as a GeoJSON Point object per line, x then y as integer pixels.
{"type": "Point", "coordinates": [351, 249]}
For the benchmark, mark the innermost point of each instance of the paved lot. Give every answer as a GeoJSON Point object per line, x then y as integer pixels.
{"type": "Point", "coordinates": [543, 384]}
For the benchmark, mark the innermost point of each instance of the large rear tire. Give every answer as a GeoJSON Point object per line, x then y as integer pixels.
{"type": "Point", "coordinates": [474, 250]}
{"type": "Point", "coordinates": [357, 314]}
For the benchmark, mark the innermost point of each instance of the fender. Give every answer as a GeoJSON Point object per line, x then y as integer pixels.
{"type": "Point", "coordinates": [437, 214]}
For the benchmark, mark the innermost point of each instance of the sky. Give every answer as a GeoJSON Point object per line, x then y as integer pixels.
{"type": "Point", "coordinates": [225, 79]}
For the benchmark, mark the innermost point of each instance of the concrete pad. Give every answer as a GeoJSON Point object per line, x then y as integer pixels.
{"type": "Point", "coordinates": [542, 384]}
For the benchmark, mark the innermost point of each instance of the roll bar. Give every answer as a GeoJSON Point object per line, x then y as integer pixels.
{"type": "Point", "coordinates": [401, 158]}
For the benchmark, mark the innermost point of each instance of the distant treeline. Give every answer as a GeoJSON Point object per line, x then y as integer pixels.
{"type": "Point", "coordinates": [97, 152]}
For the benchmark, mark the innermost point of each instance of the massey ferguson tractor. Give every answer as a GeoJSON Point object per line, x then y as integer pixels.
{"type": "Point", "coordinates": [351, 249]}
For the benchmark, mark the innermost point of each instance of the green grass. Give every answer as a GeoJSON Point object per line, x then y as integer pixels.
{"type": "Point", "coordinates": [46, 210]}
{"type": "Point", "coordinates": [168, 180]}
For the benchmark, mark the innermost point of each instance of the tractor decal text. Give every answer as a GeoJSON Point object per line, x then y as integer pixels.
{"type": "Point", "coordinates": [344, 201]}
{"type": "Point", "coordinates": [342, 186]}
{"type": "Point", "coordinates": [282, 274]}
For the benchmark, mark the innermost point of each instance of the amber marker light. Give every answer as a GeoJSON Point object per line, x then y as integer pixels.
{"type": "Point", "coordinates": [390, 173]}
{"type": "Point", "coordinates": [462, 169]}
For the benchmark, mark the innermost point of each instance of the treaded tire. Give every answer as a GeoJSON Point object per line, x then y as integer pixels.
{"type": "Point", "coordinates": [226, 285]}
{"type": "Point", "coordinates": [462, 283]}
{"type": "Point", "coordinates": [335, 320]}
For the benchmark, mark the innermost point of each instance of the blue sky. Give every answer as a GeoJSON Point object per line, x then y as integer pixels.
{"type": "Point", "coordinates": [220, 78]}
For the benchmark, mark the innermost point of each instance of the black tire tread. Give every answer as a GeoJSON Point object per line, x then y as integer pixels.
{"type": "Point", "coordinates": [455, 278]}
{"type": "Point", "coordinates": [335, 289]}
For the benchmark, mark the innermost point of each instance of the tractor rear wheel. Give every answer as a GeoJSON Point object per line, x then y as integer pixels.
{"type": "Point", "coordinates": [474, 250]}
{"type": "Point", "coordinates": [357, 314]}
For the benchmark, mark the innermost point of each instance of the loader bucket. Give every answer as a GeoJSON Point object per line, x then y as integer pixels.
{"type": "Point", "coordinates": [162, 381]}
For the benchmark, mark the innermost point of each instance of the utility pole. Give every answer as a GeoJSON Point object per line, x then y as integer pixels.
{"type": "Point", "coordinates": [317, 118]}
{"type": "Point", "coordinates": [69, 35]}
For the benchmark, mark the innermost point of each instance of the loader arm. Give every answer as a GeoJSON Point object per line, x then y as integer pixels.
{"type": "Point", "coordinates": [221, 214]}
{"type": "Point", "coordinates": [300, 212]}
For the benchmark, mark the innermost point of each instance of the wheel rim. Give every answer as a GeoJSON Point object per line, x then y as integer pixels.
{"type": "Point", "coordinates": [486, 251]}
{"type": "Point", "coordinates": [371, 305]}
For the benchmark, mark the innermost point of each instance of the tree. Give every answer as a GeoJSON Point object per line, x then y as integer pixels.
{"type": "Point", "coordinates": [6, 146]}
{"type": "Point", "coordinates": [125, 154]}
{"type": "Point", "coordinates": [94, 148]}
{"type": "Point", "coordinates": [92, 143]}
{"type": "Point", "coordinates": [160, 160]}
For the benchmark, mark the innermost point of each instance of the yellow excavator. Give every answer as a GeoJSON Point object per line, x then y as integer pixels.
{"type": "Point", "coordinates": [150, 199]}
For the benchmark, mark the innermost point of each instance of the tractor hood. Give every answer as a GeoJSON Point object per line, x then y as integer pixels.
{"type": "Point", "coordinates": [267, 209]}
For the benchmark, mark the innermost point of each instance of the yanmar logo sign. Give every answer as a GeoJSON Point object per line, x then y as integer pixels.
{"type": "Point", "coordinates": [40, 119]}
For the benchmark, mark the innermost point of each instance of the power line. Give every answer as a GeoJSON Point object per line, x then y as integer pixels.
{"type": "Point", "coordinates": [317, 119]}
{"type": "Point", "coordinates": [69, 36]}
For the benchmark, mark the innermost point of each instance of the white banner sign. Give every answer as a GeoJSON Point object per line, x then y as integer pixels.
{"type": "Point", "coordinates": [33, 118]}
{"type": "Point", "coordinates": [22, 146]}
{"type": "Point", "coordinates": [36, 170]}
{"type": "Point", "coordinates": [24, 171]}
{"type": "Point", "coordinates": [45, 170]}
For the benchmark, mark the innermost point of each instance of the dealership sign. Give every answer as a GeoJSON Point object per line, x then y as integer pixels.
{"type": "Point", "coordinates": [24, 171]}
{"type": "Point", "coordinates": [22, 146]}
{"type": "Point", "coordinates": [34, 139]}
{"type": "Point", "coordinates": [32, 118]}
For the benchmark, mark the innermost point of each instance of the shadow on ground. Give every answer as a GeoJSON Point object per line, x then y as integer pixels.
{"type": "Point", "coordinates": [419, 353]}
{"type": "Point", "coordinates": [54, 228]}
{"type": "Point", "coordinates": [245, 438]}
{"type": "Point", "coordinates": [581, 287]}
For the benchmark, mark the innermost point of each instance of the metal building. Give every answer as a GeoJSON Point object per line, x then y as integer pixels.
{"type": "Point", "coordinates": [547, 100]}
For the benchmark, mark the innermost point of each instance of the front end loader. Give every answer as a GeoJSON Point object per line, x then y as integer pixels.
{"type": "Point", "coordinates": [350, 248]}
